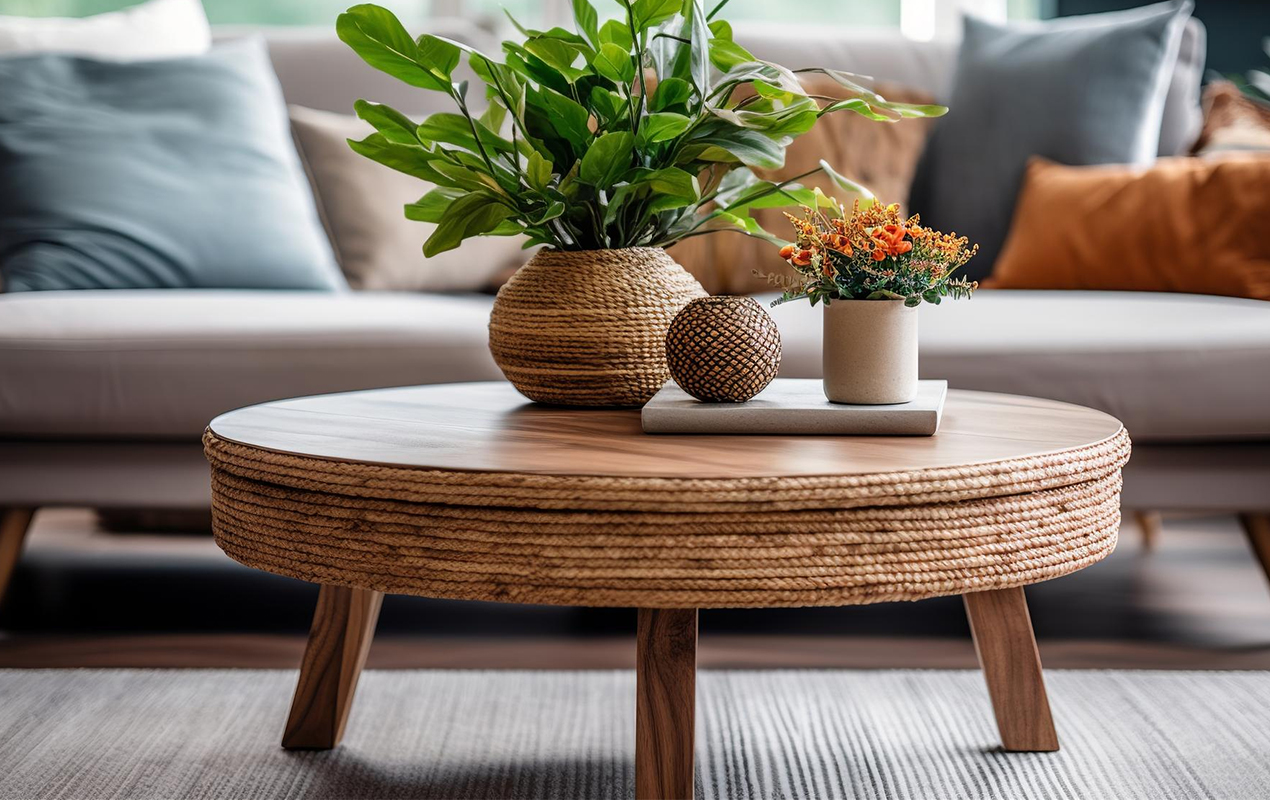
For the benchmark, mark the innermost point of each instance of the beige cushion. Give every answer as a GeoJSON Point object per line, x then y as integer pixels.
{"type": "Point", "coordinates": [127, 364]}
{"type": "Point", "coordinates": [1170, 366]}
{"type": "Point", "coordinates": [361, 205]}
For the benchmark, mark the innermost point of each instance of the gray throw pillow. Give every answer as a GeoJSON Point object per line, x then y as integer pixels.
{"type": "Point", "coordinates": [1078, 91]}
{"type": "Point", "coordinates": [165, 174]}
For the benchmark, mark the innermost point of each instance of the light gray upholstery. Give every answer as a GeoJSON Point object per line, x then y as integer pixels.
{"type": "Point", "coordinates": [150, 364]}
{"type": "Point", "coordinates": [162, 364]}
{"type": "Point", "coordinates": [1170, 366]}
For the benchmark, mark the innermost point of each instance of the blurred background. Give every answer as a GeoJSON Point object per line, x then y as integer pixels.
{"type": "Point", "coordinates": [1235, 27]}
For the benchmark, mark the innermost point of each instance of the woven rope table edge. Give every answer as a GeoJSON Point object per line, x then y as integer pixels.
{"type": "Point", "coordinates": [594, 541]}
{"type": "Point", "coordinates": [604, 493]}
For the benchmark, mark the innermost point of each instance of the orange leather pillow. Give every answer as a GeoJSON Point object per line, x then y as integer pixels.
{"type": "Point", "coordinates": [1183, 225]}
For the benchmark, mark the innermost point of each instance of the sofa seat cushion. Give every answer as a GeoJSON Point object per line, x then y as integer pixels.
{"type": "Point", "coordinates": [161, 364]}
{"type": "Point", "coordinates": [1172, 367]}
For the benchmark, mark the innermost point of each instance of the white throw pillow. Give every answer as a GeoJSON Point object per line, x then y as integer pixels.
{"type": "Point", "coordinates": [361, 205]}
{"type": "Point", "coordinates": [155, 29]}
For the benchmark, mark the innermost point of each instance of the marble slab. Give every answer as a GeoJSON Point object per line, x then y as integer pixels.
{"type": "Point", "coordinates": [795, 406]}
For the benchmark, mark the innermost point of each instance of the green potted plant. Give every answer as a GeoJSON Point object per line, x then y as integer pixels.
{"type": "Point", "coordinates": [871, 268]}
{"type": "Point", "coordinates": [606, 144]}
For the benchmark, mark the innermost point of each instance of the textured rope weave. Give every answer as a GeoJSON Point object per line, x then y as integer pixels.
{"type": "Point", "coordinates": [589, 328]}
{"type": "Point", "coordinates": [660, 542]}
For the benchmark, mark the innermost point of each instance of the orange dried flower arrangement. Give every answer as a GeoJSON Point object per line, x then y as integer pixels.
{"type": "Point", "coordinates": [873, 254]}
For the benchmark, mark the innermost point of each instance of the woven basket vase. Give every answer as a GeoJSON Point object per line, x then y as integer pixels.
{"type": "Point", "coordinates": [588, 327]}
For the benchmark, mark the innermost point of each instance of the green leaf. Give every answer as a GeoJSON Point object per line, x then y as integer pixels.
{"type": "Point", "coordinates": [470, 215]}
{"type": "Point", "coordinates": [698, 54]}
{"type": "Point", "coordinates": [648, 13]}
{"type": "Point", "coordinates": [493, 116]}
{"type": "Point", "coordinates": [438, 55]}
{"type": "Point", "coordinates": [673, 188]}
{"type": "Point", "coordinates": [526, 32]}
{"type": "Point", "coordinates": [860, 107]}
{"type": "Point", "coordinates": [749, 225]}
{"type": "Point", "coordinates": [410, 159]}
{"type": "Point", "coordinates": [608, 105]}
{"type": "Point", "coordinates": [554, 209]}
{"type": "Point", "coordinates": [765, 194]}
{"type": "Point", "coordinates": [502, 80]}
{"type": "Point", "coordinates": [669, 187]}
{"type": "Point", "coordinates": [751, 148]}
{"type": "Point", "coordinates": [615, 31]}
{"type": "Point", "coordinates": [586, 17]}
{"type": "Point", "coordinates": [615, 64]}
{"type": "Point", "coordinates": [395, 126]}
{"type": "Point", "coordinates": [844, 183]}
{"type": "Point", "coordinates": [773, 75]}
{"type": "Point", "coordinates": [568, 117]}
{"type": "Point", "coordinates": [462, 176]}
{"type": "Point", "coordinates": [725, 54]}
{"type": "Point", "coordinates": [607, 158]}
{"type": "Point", "coordinates": [663, 126]}
{"type": "Point", "coordinates": [538, 171]}
{"type": "Point", "coordinates": [721, 29]}
{"type": "Point", "coordinates": [670, 92]}
{"type": "Point", "coordinates": [379, 38]}
{"type": "Point", "coordinates": [454, 129]}
{"type": "Point", "coordinates": [558, 55]}
{"type": "Point", "coordinates": [432, 206]}
{"type": "Point", "coordinates": [875, 101]}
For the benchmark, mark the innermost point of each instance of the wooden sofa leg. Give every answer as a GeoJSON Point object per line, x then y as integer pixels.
{"type": "Point", "coordinates": [14, 523]}
{"type": "Point", "coordinates": [1149, 525]}
{"type": "Point", "coordinates": [1257, 527]}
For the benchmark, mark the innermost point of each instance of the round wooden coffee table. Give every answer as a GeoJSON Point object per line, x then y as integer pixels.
{"type": "Point", "coordinates": [469, 491]}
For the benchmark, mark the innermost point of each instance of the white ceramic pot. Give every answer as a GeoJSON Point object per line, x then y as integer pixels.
{"type": "Point", "coordinates": [870, 352]}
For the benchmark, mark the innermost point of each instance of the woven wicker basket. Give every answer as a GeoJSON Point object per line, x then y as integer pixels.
{"type": "Point", "coordinates": [723, 349]}
{"type": "Point", "coordinates": [588, 328]}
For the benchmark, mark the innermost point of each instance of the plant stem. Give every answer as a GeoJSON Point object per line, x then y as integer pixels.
{"type": "Point", "coordinates": [471, 123]}
{"type": "Point", "coordinates": [641, 41]}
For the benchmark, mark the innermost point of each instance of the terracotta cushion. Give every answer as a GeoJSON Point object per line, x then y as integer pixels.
{"type": "Point", "coordinates": [1183, 225]}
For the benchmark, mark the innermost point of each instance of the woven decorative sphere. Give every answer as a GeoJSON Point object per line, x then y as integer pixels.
{"type": "Point", "coordinates": [723, 349]}
{"type": "Point", "coordinates": [588, 327]}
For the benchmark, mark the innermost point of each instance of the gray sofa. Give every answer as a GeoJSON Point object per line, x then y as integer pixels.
{"type": "Point", "coordinates": [104, 395]}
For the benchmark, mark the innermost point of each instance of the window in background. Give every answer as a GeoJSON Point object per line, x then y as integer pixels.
{"type": "Point", "coordinates": [920, 19]}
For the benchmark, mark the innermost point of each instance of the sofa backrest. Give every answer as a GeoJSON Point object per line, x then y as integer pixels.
{"type": "Point", "coordinates": [319, 71]}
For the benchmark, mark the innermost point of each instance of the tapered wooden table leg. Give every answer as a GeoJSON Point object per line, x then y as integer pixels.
{"type": "Point", "coordinates": [1011, 664]}
{"type": "Point", "coordinates": [343, 626]}
{"type": "Point", "coordinates": [666, 693]}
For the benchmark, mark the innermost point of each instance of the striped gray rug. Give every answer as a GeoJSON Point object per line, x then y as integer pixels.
{"type": "Point", "coordinates": [139, 734]}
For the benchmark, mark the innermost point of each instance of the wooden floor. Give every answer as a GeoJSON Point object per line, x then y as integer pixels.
{"type": "Point", "coordinates": [90, 599]}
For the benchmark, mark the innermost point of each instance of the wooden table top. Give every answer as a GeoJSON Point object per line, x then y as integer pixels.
{"type": "Point", "coordinates": [481, 427]}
